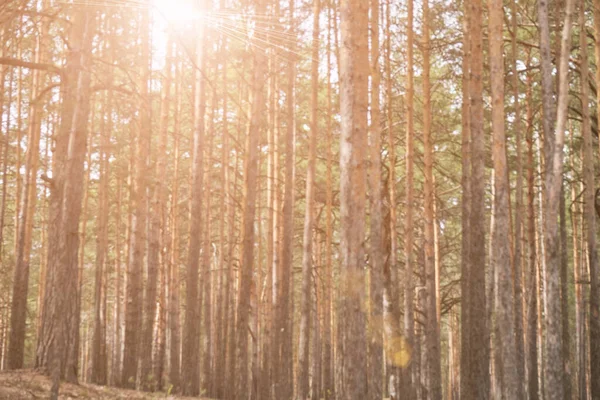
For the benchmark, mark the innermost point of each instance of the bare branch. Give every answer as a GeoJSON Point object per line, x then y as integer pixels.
{"type": "Point", "coordinates": [31, 65]}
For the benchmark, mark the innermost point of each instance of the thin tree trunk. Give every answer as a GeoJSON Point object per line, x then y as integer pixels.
{"type": "Point", "coordinates": [175, 285]}
{"type": "Point", "coordinates": [135, 268]}
{"type": "Point", "coordinates": [328, 373]}
{"type": "Point", "coordinates": [465, 324]}
{"type": "Point", "coordinates": [518, 247]}
{"type": "Point", "coordinates": [377, 252]}
{"type": "Point", "coordinates": [505, 341]}
{"type": "Point", "coordinates": [26, 211]}
{"type": "Point", "coordinates": [409, 325]}
{"type": "Point", "coordinates": [432, 328]}
{"type": "Point", "coordinates": [99, 360]}
{"type": "Point", "coordinates": [307, 246]}
{"type": "Point", "coordinates": [284, 377]}
{"type": "Point", "coordinates": [594, 300]}
{"type": "Point", "coordinates": [191, 330]}
{"type": "Point", "coordinates": [532, 345]}
{"type": "Point", "coordinates": [248, 235]}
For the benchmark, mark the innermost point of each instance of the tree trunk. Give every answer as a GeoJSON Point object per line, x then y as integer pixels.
{"type": "Point", "coordinates": [26, 210]}
{"type": "Point", "coordinates": [248, 234]}
{"type": "Point", "coordinates": [190, 374]}
{"type": "Point", "coordinates": [99, 359]}
{"type": "Point", "coordinates": [377, 252]}
{"type": "Point", "coordinates": [135, 268]}
{"type": "Point", "coordinates": [477, 375]}
{"type": "Point", "coordinates": [307, 246]}
{"type": "Point", "coordinates": [354, 106]}
{"type": "Point", "coordinates": [505, 341]}
{"type": "Point", "coordinates": [518, 246]}
{"type": "Point", "coordinates": [465, 324]}
{"type": "Point", "coordinates": [532, 345]}
{"type": "Point", "coordinates": [594, 312]}
{"type": "Point", "coordinates": [553, 372]}
{"type": "Point", "coordinates": [432, 328]}
{"type": "Point", "coordinates": [59, 336]}
{"type": "Point", "coordinates": [284, 343]}
{"type": "Point", "coordinates": [409, 295]}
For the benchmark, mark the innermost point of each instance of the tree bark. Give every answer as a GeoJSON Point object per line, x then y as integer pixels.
{"type": "Point", "coordinates": [248, 235]}
{"type": "Point", "coordinates": [190, 374]}
{"type": "Point", "coordinates": [353, 166]}
{"type": "Point", "coordinates": [477, 376]}
{"type": "Point", "coordinates": [307, 241]}
{"type": "Point", "coordinates": [505, 341]}
{"type": "Point", "coordinates": [135, 268]}
{"type": "Point", "coordinates": [553, 371]}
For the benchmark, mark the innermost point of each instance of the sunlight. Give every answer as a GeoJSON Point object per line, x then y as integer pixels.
{"type": "Point", "coordinates": [176, 11]}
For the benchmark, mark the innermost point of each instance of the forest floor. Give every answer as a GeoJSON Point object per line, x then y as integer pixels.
{"type": "Point", "coordinates": [29, 384]}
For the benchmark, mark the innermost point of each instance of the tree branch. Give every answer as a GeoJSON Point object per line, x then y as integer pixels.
{"type": "Point", "coordinates": [31, 65]}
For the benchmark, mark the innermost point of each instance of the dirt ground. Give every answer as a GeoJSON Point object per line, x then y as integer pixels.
{"type": "Point", "coordinates": [28, 384]}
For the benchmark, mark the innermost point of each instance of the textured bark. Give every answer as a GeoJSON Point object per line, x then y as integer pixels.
{"type": "Point", "coordinates": [518, 241]}
{"type": "Point", "coordinates": [307, 240]}
{"type": "Point", "coordinates": [432, 327]}
{"type": "Point", "coordinates": [505, 341]}
{"type": "Point", "coordinates": [283, 378]}
{"type": "Point", "coordinates": [577, 230]}
{"type": "Point", "coordinates": [594, 312]}
{"type": "Point", "coordinates": [353, 167]}
{"type": "Point", "coordinates": [190, 374]}
{"type": "Point", "coordinates": [377, 251]}
{"type": "Point", "coordinates": [553, 366]}
{"type": "Point", "coordinates": [59, 335]}
{"type": "Point", "coordinates": [532, 345]}
{"type": "Point", "coordinates": [409, 295]}
{"type": "Point", "coordinates": [465, 324]}
{"type": "Point", "coordinates": [477, 385]}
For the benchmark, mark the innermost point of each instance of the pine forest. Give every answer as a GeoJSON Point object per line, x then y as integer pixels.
{"type": "Point", "coordinates": [300, 199]}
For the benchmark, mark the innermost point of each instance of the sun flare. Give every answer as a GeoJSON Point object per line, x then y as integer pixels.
{"type": "Point", "coordinates": [176, 11]}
